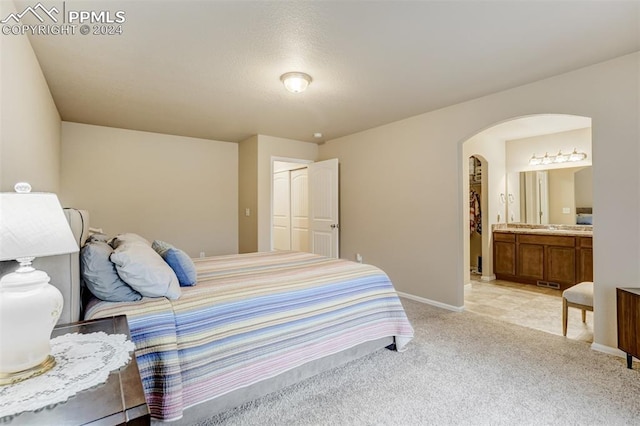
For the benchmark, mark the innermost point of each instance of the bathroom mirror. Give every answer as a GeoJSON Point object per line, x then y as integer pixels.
{"type": "Point", "coordinates": [560, 196]}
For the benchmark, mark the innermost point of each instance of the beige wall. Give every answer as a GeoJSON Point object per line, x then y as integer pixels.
{"type": "Point", "coordinates": [562, 195]}
{"type": "Point", "coordinates": [248, 195]}
{"type": "Point", "coordinates": [30, 123]}
{"type": "Point", "coordinates": [177, 189]}
{"type": "Point", "coordinates": [269, 148]}
{"type": "Point", "coordinates": [401, 191]}
{"type": "Point", "coordinates": [584, 187]}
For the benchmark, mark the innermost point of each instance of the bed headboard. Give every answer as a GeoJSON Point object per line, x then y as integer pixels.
{"type": "Point", "coordinates": [64, 270]}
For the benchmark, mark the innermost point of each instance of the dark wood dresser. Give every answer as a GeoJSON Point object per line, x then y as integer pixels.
{"type": "Point", "coordinates": [628, 304]}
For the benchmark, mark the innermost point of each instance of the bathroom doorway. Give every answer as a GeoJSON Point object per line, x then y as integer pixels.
{"type": "Point", "coordinates": [504, 154]}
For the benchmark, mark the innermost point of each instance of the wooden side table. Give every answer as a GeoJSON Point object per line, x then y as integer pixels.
{"type": "Point", "coordinates": [628, 304]}
{"type": "Point", "coordinates": [119, 401]}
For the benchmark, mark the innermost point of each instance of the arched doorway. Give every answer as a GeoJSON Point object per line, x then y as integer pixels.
{"type": "Point", "coordinates": [504, 151]}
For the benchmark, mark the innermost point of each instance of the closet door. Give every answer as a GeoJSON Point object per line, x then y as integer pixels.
{"type": "Point", "coordinates": [299, 210]}
{"type": "Point", "coordinates": [281, 211]}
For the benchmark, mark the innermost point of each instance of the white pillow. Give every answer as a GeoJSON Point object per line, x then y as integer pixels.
{"type": "Point", "coordinates": [129, 237]}
{"type": "Point", "coordinates": [145, 271]}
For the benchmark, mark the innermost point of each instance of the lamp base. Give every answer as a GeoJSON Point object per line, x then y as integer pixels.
{"type": "Point", "coordinates": [18, 376]}
{"type": "Point", "coordinates": [29, 309]}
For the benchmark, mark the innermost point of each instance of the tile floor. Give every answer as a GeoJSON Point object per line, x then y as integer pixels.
{"type": "Point", "coordinates": [527, 305]}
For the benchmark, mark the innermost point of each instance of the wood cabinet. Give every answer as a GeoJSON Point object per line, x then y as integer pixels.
{"type": "Point", "coordinates": [557, 261]}
{"type": "Point", "coordinates": [504, 248]}
{"type": "Point", "coordinates": [584, 257]}
{"type": "Point", "coordinates": [560, 265]}
{"type": "Point", "coordinates": [628, 304]}
{"type": "Point", "coordinates": [530, 261]}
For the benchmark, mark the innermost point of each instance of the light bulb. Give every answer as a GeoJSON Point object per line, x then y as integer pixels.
{"type": "Point", "coordinates": [295, 82]}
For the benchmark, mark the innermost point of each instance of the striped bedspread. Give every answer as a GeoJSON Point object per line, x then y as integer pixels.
{"type": "Point", "coordinates": [251, 317]}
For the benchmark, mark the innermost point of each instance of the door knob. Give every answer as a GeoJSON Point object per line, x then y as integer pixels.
{"type": "Point", "coordinates": [335, 226]}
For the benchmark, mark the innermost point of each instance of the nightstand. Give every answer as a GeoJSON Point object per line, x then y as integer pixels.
{"type": "Point", "coordinates": [118, 401]}
{"type": "Point", "coordinates": [628, 304]}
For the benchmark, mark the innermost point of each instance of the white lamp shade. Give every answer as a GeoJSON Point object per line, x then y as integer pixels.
{"type": "Point", "coordinates": [33, 225]}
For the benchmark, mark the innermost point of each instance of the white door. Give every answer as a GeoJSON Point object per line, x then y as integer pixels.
{"type": "Point", "coordinates": [299, 210]}
{"type": "Point", "coordinates": [281, 212]}
{"type": "Point", "coordinates": [324, 230]}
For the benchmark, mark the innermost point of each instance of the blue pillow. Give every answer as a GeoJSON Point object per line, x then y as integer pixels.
{"type": "Point", "coordinates": [100, 276]}
{"type": "Point", "coordinates": [179, 261]}
{"type": "Point", "coordinates": [584, 219]}
{"type": "Point", "coordinates": [182, 265]}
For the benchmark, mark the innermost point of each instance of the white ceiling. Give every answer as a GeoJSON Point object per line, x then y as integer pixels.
{"type": "Point", "coordinates": [211, 69]}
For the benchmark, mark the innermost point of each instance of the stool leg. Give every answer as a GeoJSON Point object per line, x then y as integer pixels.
{"type": "Point", "coordinates": [584, 316]}
{"type": "Point", "coordinates": [564, 316]}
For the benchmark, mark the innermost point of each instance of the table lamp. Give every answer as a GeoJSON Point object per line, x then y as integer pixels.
{"type": "Point", "coordinates": [31, 225]}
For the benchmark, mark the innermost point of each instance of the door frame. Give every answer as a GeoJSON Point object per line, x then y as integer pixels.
{"type": "Point", "coordinates": [273, 160]}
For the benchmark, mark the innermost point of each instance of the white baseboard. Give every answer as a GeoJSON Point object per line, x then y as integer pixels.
{"type": "Point", "coordinates": [488, 278]}
{"type": "Point", "coordinates": [431, 302]}
{"type": "Point", "coordinates": [608, 350]}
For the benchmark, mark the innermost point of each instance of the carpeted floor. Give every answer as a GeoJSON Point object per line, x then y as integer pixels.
{"type": "Point", "coordinates": [462, 369]}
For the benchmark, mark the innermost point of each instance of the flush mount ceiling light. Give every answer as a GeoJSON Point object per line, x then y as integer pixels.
{"type": "Point", "coordinates": [560, 158]}
{"type": "Point", "coordinates": [295, 82]}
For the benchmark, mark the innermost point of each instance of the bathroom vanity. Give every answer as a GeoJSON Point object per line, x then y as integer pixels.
{"type": "Point", "coordinates": [556, 256]}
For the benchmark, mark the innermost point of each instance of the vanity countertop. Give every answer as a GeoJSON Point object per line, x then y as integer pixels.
{"type": "Point", "coordinates": [568, 230]}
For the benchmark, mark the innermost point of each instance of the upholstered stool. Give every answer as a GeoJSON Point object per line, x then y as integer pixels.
{"type": "Point", "coordinates": [579, 296]}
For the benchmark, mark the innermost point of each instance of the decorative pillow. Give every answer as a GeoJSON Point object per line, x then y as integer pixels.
{"type": "Point", "coordinates": [100, 276]}
{"type": "Point", "coordinates": [144, 270]}
{"type": "Point", "coordinates": [129, 237]}
{"type": "Point", "coordinates": [93, 230]}
{"type": "Point", "coordinates": [179, 261]}
{"type": "Point", "coordinates": [98, 236]}
{"type": "Point", "coordinates": [161, 247]}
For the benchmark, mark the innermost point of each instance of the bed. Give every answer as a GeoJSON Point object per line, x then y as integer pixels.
{"type": "Point", "coordinates": [252, 324]}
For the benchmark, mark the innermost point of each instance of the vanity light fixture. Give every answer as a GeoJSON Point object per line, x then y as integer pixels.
{"type": "Point", "coordinates": [577, 156]}
{"type": "Point", "coordinates": [555, 159]}
{"type": "Point", "coordinates": [561, 158]}
{"type": "Point", "coordinates": [295, 82]}
{"type": "Point", "coordinates": [534, 161]}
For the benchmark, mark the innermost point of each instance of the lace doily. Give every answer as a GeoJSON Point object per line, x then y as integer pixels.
{"type": "Point", "coordinates": [82, 361]}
